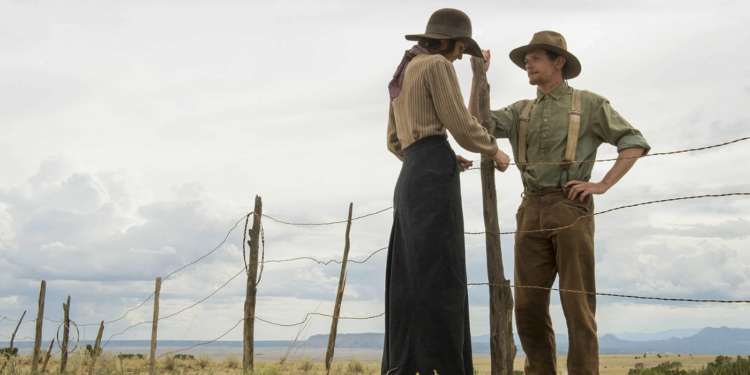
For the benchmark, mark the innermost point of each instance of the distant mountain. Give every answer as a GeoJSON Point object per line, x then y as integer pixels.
{"type": "Point", "coordinates": [677, 333]}
{"type": "Point", "coordinates": [704, 341]}
{"type": "Point", "coordinates": [708, 341]}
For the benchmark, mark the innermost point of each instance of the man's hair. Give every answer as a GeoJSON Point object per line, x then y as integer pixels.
{"type": "Point", "coordinates": [553, 56]}
{"type": "Point", "coordinates": [433, 44]}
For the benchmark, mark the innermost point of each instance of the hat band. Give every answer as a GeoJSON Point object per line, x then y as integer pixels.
{"type": "Point", "coordinates": [446, 30]}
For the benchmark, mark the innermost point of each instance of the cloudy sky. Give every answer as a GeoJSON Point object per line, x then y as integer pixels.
{"type": "Point", "coordinates": [134, 135]}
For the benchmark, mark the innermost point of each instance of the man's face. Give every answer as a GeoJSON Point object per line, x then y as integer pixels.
{"type": "Point", "coordinates": [539, 67]}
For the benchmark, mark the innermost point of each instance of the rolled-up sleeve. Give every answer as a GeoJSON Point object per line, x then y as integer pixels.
{"type": "Point", "coordinates": [614, 129]}
{"type": "Point", "coordinates": [394, 145]}
{"type": "Point", "coordinates": [442, 83]}
{"type": "Point", "coordinates": [502, 122]}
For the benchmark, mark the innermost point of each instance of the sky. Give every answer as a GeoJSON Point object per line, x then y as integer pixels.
{"type": "Point", "coordinates": [134, 135]}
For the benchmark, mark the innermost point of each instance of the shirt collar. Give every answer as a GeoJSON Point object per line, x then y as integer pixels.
{"type": "Point", "coordinates": [557, 93]}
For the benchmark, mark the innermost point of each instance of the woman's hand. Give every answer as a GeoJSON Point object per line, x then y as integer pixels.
{"type": "Point", "coordinates": [463, 163]}
{"type": "Point", "coordinates": [501, 160]}
{"type": "Point", "coordinates": [487, 58]}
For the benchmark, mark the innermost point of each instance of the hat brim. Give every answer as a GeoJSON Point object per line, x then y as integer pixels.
{"type": "Point", "coordinates": [472, 48]}
{"type": "Point", "coordinates": [518, 56]}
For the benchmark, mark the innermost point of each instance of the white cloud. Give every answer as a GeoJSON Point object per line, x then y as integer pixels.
{"type": "Point", "coordinates": [162, 135]}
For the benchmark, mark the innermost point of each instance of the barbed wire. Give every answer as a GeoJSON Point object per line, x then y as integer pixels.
{"type": "Point", "coordinates": [263, 242]}
{"type": "Point", "coordinates": [227, 283]}
{"type": "Point", "coordinates": [205, 343]}
{"type": "Point", "coordinates": [8, 337]}
{"type": "Point", "coordinates": [331, 222]}
{"type": "Point", "coordinates": [172, 273]}
{"type": "Point", "coordinates": [330, 261]}
{"type": "Point", "coordinates": [612, 295]}
{"type": "Point", "coordinates": [307, 316]}
{"type": "Point", "coordinates": [615, 209]}
{"type": "Point", "coordinates": [623, 158]}
{"type": "Point", "coordinates": [262, 262]}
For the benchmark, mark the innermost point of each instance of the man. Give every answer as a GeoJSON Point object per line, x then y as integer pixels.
{"type": "Point", "coordinates": [557, 195]}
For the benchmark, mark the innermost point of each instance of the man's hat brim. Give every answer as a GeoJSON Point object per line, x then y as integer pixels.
{"type": "Point", "coordinates": [472, 48]}
{"type": "Point", "coordinates": [518, 56]}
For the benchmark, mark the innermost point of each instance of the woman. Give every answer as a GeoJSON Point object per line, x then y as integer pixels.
{"type": "Point", "coordinates": [427, 307]}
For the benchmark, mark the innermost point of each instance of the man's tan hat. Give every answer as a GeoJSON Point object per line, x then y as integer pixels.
{"type": "Point", "coordinates": [552, 41]}
{"type": "Point", "coordinates": [450, 23]}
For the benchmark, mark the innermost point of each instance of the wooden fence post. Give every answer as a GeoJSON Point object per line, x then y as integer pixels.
{"type": "Point", "coordinates": [49, 354]}
{"type": "Point", "coordinates": [248, 334]}
{"type": "Point", "coordinates": [38, 334]}
{"type": "Point", "coordinates": [95, 353]}
{"type": "Point", "coordinates": [339, 296]}
{"type": "Point", "coordinates": [13, 337]}
{"type": "Point", "coordinates": [152, 364]}
{"type": "Point", "coordinates": [66, 336]}
{"type": "Point", "coordinates": [502, 345]}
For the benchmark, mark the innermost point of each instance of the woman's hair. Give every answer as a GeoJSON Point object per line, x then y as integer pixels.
{"type": "Point", "coordinates": [432, 45]}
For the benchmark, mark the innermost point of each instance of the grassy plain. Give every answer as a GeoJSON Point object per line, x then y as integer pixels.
{"type": "Point", "coordinates": [109, 364]}
{"type": "Point", "coordinates": [614, 364]}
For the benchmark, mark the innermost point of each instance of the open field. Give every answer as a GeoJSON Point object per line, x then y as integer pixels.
{"type": "Point", "coordinates": [614, 364]}
{"type": "Point", "coordinates": [306, 363]}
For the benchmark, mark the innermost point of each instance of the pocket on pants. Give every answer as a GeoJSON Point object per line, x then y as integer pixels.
{"type": "Point", "coordinates": [582, 207]}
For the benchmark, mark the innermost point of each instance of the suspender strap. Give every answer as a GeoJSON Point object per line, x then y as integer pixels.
{"type": "Point", "coordinates": [574, 127]}
{"type": "Point", "coordinates": [522, 131]}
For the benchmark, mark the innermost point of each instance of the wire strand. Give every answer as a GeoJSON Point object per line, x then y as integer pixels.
{"type": "Point", "coordinates": [623, 158]}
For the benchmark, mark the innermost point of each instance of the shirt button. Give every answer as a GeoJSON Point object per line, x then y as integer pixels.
{"type": "Point", "coordinates": [544, 135]}
{"type": "Point", "coordinates": [546, 107]}
{"type": "Point", "coordinates": [545, 120]}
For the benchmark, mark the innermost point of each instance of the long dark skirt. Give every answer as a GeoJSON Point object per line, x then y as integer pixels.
{"type": "Point", "coordinates": [426, 297]}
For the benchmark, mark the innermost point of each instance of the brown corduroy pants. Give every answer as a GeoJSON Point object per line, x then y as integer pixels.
{"type": "Point", "coordinates": [539, 258]}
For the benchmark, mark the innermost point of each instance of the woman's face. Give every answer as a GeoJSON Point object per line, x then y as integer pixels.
{"type": "Point", "coordinates": [456, 53]}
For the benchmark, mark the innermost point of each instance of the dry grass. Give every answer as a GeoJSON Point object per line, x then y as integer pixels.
{"type": "Point", "coordinates": [232, 361]}
{"type": "Point", "coordinates": [204, 360]}
{"type": "Point", "coordinates": [109, 364]}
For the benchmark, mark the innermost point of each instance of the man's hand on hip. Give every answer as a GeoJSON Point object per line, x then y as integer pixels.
{"type": "Point", "coordinates": [585, 188]}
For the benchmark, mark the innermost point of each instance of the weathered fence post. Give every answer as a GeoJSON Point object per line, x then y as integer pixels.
{"type": "Point", "coordinates": [339, 296]}
{"type": "Point", "coordinates": [38, 333]}
{"type": "Point", "coordinates": [248, 334]}
{"type": "Point", "coordinates": [154, 325]}
{"type": "Point", "coordinates": [13, 337]}
{"type": "Point", "coordinates": [95, 353]}
{"type": "Point", "coordinates": [66, 336]}
{"type": "Point", "coordinates": [502, 345]}
{"type": "Point", "coordinates": [49, 354]}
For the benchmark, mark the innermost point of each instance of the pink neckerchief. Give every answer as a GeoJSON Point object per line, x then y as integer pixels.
{"type": "Point", "coordinates": [394, 87]}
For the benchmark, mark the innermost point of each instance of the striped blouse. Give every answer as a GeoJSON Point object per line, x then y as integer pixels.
{"type": "Point", "coordinates": [431, 102]}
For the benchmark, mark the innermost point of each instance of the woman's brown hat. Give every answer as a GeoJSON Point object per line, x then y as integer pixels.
{"type": "Point", "coordinates": [450, 23]}
{"type": "Point", "coordinates": [552, 41]}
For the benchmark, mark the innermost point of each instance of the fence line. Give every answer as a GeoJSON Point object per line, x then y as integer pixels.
{"type": "Point", "coordinates": [615, 209]}
{"type": "Point", "coordinates": [331, 222]}
{"type": "Point", "coordinates": [308, 315]}
{"type": "Point", "coordinates": [614, 295]}
{"type": "Point", "coordinates": [227, 283]}
{"type": "Point", "coordinates": [371, 255]}
{"type": "Point", "coordinates": [631, 157]}
{"type": "Point", "coordinates": [276, 324]}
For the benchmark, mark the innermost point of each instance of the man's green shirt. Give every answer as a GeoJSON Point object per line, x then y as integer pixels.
{"type": "Point", "coordinates": [547, 135]}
